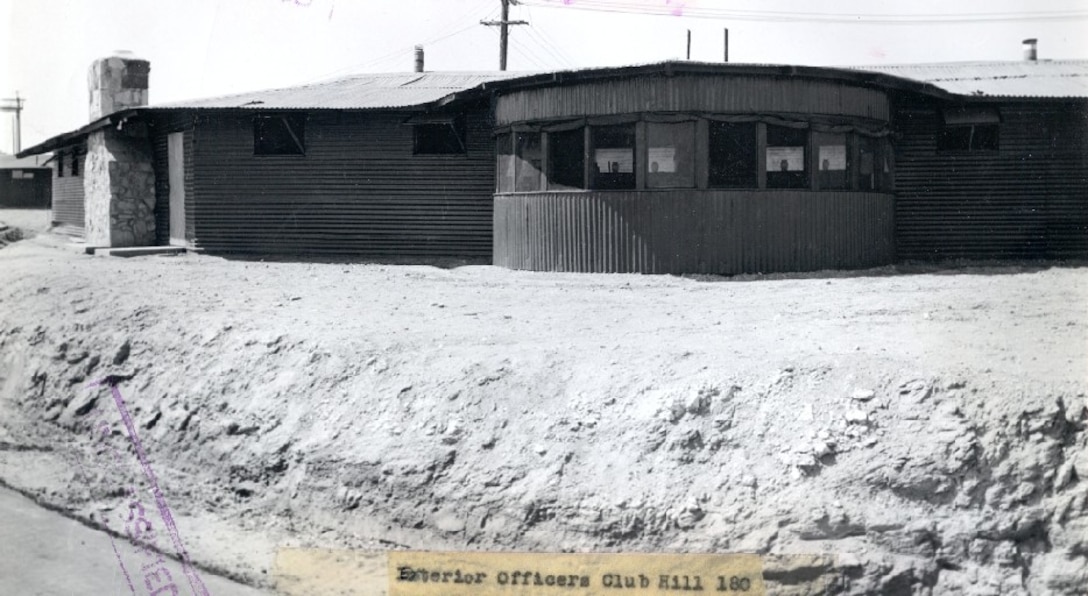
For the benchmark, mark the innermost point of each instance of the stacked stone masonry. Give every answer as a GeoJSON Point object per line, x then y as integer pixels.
{"type": "Point", "coordinates": [120, 190]}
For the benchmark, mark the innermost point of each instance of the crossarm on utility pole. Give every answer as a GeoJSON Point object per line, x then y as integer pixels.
{"type": "Point", "coordinates": [504, 32]}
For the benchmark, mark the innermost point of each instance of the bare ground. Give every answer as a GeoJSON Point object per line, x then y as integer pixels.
{"type": "Point", "coordinates": [926, 427]}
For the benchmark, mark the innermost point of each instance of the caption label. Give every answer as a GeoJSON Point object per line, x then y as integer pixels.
{"type": "Point", "coordinates": [412, 573]}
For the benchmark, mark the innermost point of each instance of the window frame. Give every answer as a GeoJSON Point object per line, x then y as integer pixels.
{"type": "Point", "coordinates": [969, 119]}
{"type": "Point", "coordinates": [691, 173]}
{"type": "Point", "coordinates": [455, 125]}
{"type": "Point", "coordinates": [298, 137]}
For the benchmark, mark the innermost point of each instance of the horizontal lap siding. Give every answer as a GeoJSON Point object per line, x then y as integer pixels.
{"type": "Point", "coordinates": [1027, 200]}
{"type": "Point", "coordinates": [359, 190]}
{"type": "Point", "coordinates": [720, 232]}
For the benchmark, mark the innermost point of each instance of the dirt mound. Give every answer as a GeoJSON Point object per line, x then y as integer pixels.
{"type": "Point", "coordinates": [376, 407]}
{"type": "Point", "coordinates": [9, 234]}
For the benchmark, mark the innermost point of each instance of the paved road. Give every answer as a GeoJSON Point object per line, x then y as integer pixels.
{"type": "Point", "coordinates": [43, 553]}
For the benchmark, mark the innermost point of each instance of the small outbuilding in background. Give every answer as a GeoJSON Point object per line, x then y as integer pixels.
{"type": "Point", "coordinates": [25, 183]}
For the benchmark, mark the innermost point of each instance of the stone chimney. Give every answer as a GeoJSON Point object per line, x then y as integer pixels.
{"type": "Point", "coordinates": [118, 177]}
{"type": "Point", "coordinates": [117, 82]}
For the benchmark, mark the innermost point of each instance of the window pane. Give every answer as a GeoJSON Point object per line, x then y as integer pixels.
{"type": "Point", "coordinates": [566, 159]}
{"type": "Point", "coordinates": [868, 176]}
{"type": "Point", "coordinates": [734, 157]}
{"type": "Point", "coordinates": [504, 163]}
{"type": "Point", "coordinates": [832, 159]}
{"type": "Point", "coordinates": [985, 137]}
{"type": "Point", "coordinates": [439, 138]}
{"type": "Point", "coordinates": [529, 161]}
{"type": "Point", "coordinates": [280, 134]}
{"type": "Point", "coordinates": [887, 183]}
{"type": "Point", "coordinates": [613, 157]}
{"type": "Point", "coordinates": [671, 155]}
{"type": "Point", "coordinates": [954, 138]}
{"type": "Point", "coordinates": [786, 157]}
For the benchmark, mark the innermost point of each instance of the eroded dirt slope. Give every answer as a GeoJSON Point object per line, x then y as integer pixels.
{"type": "Point", "coordinates": [924, 430]}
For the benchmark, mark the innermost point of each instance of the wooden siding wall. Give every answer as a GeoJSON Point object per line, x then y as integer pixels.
{"type": "Point", "coordinates": [723, 232]}
{"type": "Point", "coordinates": [68, 196]}
{"type": "Point", "coordinates": [706, 93]}
{"type": "Point", "coordinates": [358, 191]}
{"type": "Point", "coordinates": [1029, 199]}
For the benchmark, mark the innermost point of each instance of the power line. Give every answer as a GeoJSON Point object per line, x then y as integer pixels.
{"type": "Point", "coordinates": [548, 47]}
{"type": "Point", "coordinates": [802, 17]}
{"type": "Point", "coordinates": [396, 54]}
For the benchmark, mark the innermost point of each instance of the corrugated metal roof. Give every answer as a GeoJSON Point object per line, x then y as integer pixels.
{"type": "Point", "coordinates": [357, 92]}
{"type": "Point", "coordinates": [1043, 78]}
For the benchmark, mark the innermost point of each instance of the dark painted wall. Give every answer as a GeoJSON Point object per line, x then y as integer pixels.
{"type": "Point", "coordinates": [359, 190]}
{"type": "Point", "coordinates": [691, 231]}
{"type": "Point", "coordinates": [1028, 199]}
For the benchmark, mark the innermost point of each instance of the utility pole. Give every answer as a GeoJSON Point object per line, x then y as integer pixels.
{"type": "Point", "coordinates": [504, 33]}
{"type": "Point", "coordinates": [15, 105]}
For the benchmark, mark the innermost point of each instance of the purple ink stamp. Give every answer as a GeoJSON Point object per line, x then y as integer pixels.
{"type": "Point", "coordinates": [157, 578]}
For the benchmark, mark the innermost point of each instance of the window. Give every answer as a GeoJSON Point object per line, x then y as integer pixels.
{"type": "Point", "coordinates": [439, 138]}
{"type": "Point", "coordinates": [566, 159]}
{"type": "Point", "coordinates": [733, 155]}
{"type": "Point", "coordinates": [670, 155]}
{"type": "Point", "coordinates": [973, 137]}
{"type": "Point", "coordinates": [969, 129]}
{"type": "Point", "coordinates": [22, 174]}
{"type": "Point", "coordinates": [832, 161]}
{"type": "Point", "coordinates": [528, 162]}
{"type": "Point", "coordinates": [786, 157]}
{"type": "Point", "coordinates": [60, 165]}
{"type": "Point", "coordinates": [613, 157]}
{"type": "Point", "coordinates": [279, 134]}
{"type": "Point", "coordinates": [504, 162]}
{"type": "Point", "coordinates": [887, 154]}
{"type": "Point", "coordinates": [868, 159]}
{"type": "Point", "coordinates": [75, 163]}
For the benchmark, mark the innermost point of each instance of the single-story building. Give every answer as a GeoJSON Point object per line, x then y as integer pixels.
{"type": "Point", "coordinates": [675, 167]}
{"type": "Point", "coordinates": [25, 183]}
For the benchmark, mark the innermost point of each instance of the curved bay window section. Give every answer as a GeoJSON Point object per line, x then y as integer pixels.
{"type": "Point", "coordinates": [656, 152]}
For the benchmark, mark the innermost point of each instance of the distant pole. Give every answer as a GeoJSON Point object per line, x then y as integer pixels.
{"type": "Point", "coordinates": [689, 44]}
{"type": "Point", "coordinates": [16, 106]}
{"type": "Point", "coordinates": [504, 31]}
{"type": "Point", "coordinates": [726, 46]}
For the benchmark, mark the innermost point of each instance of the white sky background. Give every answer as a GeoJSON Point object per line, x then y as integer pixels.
{"type": "Point", "coordinates": [201, 48]}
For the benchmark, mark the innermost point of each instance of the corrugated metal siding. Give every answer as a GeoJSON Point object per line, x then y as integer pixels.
{"type": "Point", "coordinates": [721, 232]}
{"type": "Point", "coordinates": [710, 93]}
{"type": "Point", "coordinates": [1027, 200]}
{"type": "Point", "coordinates": [68, 199]}
{"type": "Point", "coordinates": [357, 191]}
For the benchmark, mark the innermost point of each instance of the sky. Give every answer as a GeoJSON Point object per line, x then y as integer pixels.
{"type": "Point", "coordinates": [203, 48]}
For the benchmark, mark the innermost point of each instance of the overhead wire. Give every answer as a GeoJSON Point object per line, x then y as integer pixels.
{"type": "Point", "coordinates": [471, 15]}
{"type": "Point", "coordinates": [679, 9]}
